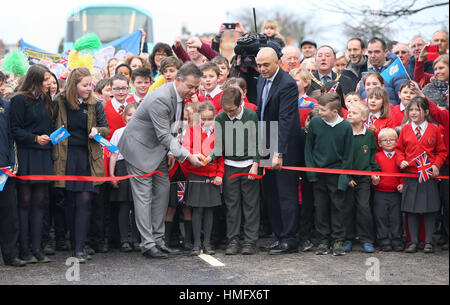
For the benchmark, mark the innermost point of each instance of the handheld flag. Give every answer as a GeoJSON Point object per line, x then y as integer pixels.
{"type": "Point", "coordinates": [106, 143]}
{"type": "Point", "coordinates": [423, 167]}
{"type": "Point", "coordinates": [334, 88]}
{"type": "Point", "coordinates": [60, 134]}
{"type": "Point", "coordinates": [3, 179]}
{"type": "Point", "coordinates": [394, 69]}
{"type": "Point", "coordinates": [181, 187]}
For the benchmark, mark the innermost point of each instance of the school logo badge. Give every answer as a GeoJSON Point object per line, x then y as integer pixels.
{"type": "Point", "coordinates": [431, 141]}
{"type": "Point", "coordinates": [394, 69]}
{"type": "Point", "coordinates": [365, 149]}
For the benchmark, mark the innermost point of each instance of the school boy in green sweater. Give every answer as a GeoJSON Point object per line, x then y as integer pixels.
{"type": "Point", "coordinates": [329, 144]}
{"type": "Point", "coordinates": [364, 151]}
{"type": "Point", "coordinates": [237, 140]}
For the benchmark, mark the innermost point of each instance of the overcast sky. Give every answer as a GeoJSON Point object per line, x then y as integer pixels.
{"type": "Point", "coordinates": [43, 24]}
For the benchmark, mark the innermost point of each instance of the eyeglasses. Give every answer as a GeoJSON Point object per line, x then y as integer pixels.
{"type": "Point", "coordinates": [160, 55]}
{"type": "Point", "coordinates": [120, 89]}
{"type": "Point", "coordinates": [387, 140]}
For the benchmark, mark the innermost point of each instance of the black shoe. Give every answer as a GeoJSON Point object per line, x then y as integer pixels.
{"type": "Point", "coordinates": [88, 250]}
{"type": "Point", "coordinates": [270, 246]}
{"type": "Point", "coordinates": [412, 248]}
{"type": "Point", "coordinates": [398, 248]}
{"type": "Point", "coordinates": [283, 248]}
{"type": "Point", "coordinates": [207, 249]}
{"type": "Point", "coordinates": [188, 246]}
{"type": "Point", "coordinates": [233, 247]}
{"type": "Point", "coordinates": [102, 248]}
{"type": "Point", "coordinates": [420, 247]}
{"type": "Point", "coordinates": [428, 248]}
{"type": "Point", "coordinates": [168, 250]}
{"type": "Point", "coordinates": [40, 256]}
{"type": "Point", "coordinates": [126, 247]}
{"type": "Point", "coordinates": [323, 249]}
{"type": "Point", "coordinates": [28, 258]}
{"type": "Point", "coordinates": [445, 247]}
{"type": "Point", "coordinates": [61, 245]}
{"type": "Point", "coordinates": [386, 248]}
{"type": "Point", "coordinates": [195, 251]}
{"type": "Point", "coordinates": [305, 246]}
{"type": "Point", "coordinates": [248, 249]}
{"type": "Point", "coordinates": [338, 248]}
{"type": "Point", "coordinates": [81, 257]}
{"type": "Point", "coordinates": [16, 262]}
{"type": "Point", "coordinates": [49, 249]}
{"type": "Point", "coordinates": [154, 252]}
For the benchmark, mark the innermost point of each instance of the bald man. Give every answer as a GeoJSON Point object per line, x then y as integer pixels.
{"type": "Point", "coordinates": [415, 46]}
{"type": "Point", "coordinates": [291, 58]}
{"type": "Point", "coordinates": [278, 102]}
{"type": "Point", "coordinates": [402, 51]}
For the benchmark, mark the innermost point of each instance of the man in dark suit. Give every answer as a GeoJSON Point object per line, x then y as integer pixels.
{"type": "Point", "coordinates": [325, 59]}
{"type": "Point", "coordinates": [278, 102]}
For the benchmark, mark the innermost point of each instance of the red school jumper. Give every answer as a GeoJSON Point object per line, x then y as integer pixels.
{"type": "Point", "coordinates": [387, 184]}
{"type": "Point", "coordinates": [115, 121]}
{"type": "Point", "coordinates": [380, 124]}
{"type": "Point", "coordinates": [205, 146]}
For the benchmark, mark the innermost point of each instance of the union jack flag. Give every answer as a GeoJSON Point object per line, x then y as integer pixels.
{"type": "Point", "coordinates": [423, 167]}
{"type": "Point", "coordinates": [334, 88]}
{"type": "Point", "coordinates": [181, 187]}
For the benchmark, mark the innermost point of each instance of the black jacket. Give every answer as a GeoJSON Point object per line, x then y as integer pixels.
{"type": "Point", "coordinates": [346, 83]}
{"type": "Point", "coordinates": [6, 142]}
{"type": "Point", "coordinates": [355, 71]}
{"type": "Point", "coordinates": [282, 107]}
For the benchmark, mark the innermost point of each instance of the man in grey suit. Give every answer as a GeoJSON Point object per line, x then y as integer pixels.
{"type": "Point", "coordinates": [145, 144]}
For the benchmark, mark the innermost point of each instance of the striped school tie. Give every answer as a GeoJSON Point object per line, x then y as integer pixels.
{"type": "Point", "coordinates": [373, 118]}
{"type": "Point", "coordinates": [121, 109]}
{"type": "Point", "coordinates": [418, 135]}
{"type": "Point", "coordinates": [389, 155]}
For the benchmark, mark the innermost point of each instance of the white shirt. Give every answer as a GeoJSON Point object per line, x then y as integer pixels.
{"type": "Point", "coordinates": [117, 105]}
{"type": "Point", "coordinates": [363, 132]}
{"type": "Point", "coordinates": [239, 116]}
{"type": "Point", "coordinates": [115, 140]}
{"type": "Point", "coordinates": [137, 98]}
{"type": "Point", "coordinates": [337, 121]}
{"type": "Point", "coordinates": [377, 115]}
{"type": "Point", "coordinates": [389, 152]}
{"type": "Point", "coordinates": [213, 93]}
{"type": "Point", "coordinates": [402, 108]}
{"type": "Point", "coordinates": [271, 80]}
{"type": "Point", "coordinates": [422, 126]}
{"type": "Point", "coordinates": [180, 102]}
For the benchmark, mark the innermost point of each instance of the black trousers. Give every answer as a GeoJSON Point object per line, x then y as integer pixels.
{"type": "Point", "coordinates": [443, 188]}
{"type": "Point", "coordinates": [306, 222]}
{"type": "Point", "coordinates": [330, 209]}
{"type": "Point", "coordinates": [54, 216]}
{"type": "Point", "coordinates": [388, 219]}
{"type": "Point", "coordinates": [9, 221]}
{"type": "Point", "coordinates": [281, 190]}
{"type": "Point", "coordinates": [358, 211]}
{"type": "Point", "coordinates": [99, 220]}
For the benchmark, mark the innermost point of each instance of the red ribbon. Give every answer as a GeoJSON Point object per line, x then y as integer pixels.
{"type": "Point", "coordinates": [75, 178]}
{"type": "Point", "coordinates": [336, 171]}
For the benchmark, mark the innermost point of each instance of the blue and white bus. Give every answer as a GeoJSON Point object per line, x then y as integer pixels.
{"type": "Point", "coordinates": [108, 21]}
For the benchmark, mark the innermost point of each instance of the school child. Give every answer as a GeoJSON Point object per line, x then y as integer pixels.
{"type": "Point", "coordinates": [329, 144]}
{"type": "Point", "coordinates": [203, 192]}
{"type": "Point", "coordinates": [334, 86]}
{"type": "Point", "coordinates": [239, 83]}
{"type": "Point", "coordinates": [305, 103]}
{"type": "Point", "coordinates": [351, 98]}
{"type": "Point", "coordinates": [178, 184]}
{"type": "Point", "coordinates": [9, 218]}
{"type": "Point", "coordinates": [125, 70]}
{"type": "Point", "coordinates": [169, 68]}
{"type": "Point", "coordinates": [387, 195]}
{"type": "Point", "coordinates": [103, 91]}
{"type": "Point", "coordinates": [79, 155]}
{"type": "Point", "coordinates": [418, 137]}
{"type": "Point", "coordinates": [271, 30]}
{"type": "Point", "coordinates": [405, 94]}
{"type": "Point", "coordinates": [241, 194]}
{"type": "Point", "coordinates": [224, 66]}
{"type": "Point", "coordinates": [31, 122]}
{"type": "Point", "coordinates": [379, 116]}
{"type": "Point", "coordinates": [306, 220]}
{"type": "Point", "coordinates": [358, 205]}
{"type": "Point", "coordinates": [115, 107]}
{"type": "Point", "coordinates": [141, 81]}
{"type": "Point", "coordinates": [121, 191]}
{"type": "Point", "coordinates": [210, 83]}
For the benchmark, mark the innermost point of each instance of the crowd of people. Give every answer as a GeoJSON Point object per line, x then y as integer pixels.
{"type": "Point", "coordinates": [198, 119]}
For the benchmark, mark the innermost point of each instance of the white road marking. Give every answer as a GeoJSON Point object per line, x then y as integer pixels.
{"type": "Point", "coordinates": [211, 260]}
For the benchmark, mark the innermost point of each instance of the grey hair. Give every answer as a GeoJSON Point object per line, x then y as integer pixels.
{"type": "Point", "coordinates": [188, 69]}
